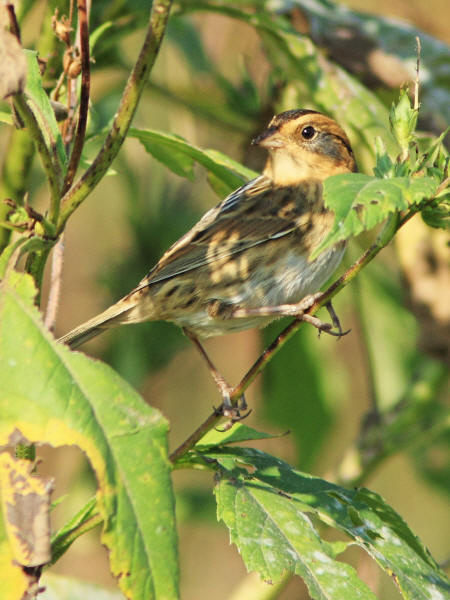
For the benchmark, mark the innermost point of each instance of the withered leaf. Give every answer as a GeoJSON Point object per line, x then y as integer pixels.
{"type": "Point", "coordinates": [25, 503]}
{"type": "Point", "coordinates": [13, 65]}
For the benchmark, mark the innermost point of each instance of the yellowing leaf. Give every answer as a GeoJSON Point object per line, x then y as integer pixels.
{"type": "Point", "coordinates": [25, 500]}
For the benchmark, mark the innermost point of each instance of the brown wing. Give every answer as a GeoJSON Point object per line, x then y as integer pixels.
{"type": "Point", "coordinates": [251, 215]}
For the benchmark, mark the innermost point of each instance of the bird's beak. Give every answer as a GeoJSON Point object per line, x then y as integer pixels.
{"type": "Point", "coordinates": [269, 139]}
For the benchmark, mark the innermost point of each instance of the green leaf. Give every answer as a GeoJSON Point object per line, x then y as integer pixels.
{"type": "Point", "coordinates": [49, 394]}
{"type": "Point", "coordinates": [403, 119]}
{"type": "Point", "coordinates": [179, 156]}
{"type": "Point", "coordinates": [238, 433]}
{"type": "Point", "coordinates": [16, 249]}
{"type": "Point", "coordinates": [78, 524]}
{"type": "Point", "coordinates": [265, 504]}
{"type": "Point", "coordinates": [437, 215]}
{"type": "Point", "coordinates": [360, 202]}
{"type": "Point", "coordinates": [98, 33]}
{"type": "Point", "coordinates": [43, 111]}
{"type": "Point", "coordinates": [274, 535]}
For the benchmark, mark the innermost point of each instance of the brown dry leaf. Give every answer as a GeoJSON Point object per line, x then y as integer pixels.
{"type": "Point", "coordinates": [424, 257]}
{"type": "Point", "coordinates": [13, 65]}
{"type": "Point", "coordinates": [25, 503]}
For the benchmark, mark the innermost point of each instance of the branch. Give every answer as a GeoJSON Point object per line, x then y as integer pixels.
{"type": "Point", "coordinates": [84, 96]}
{"type": "Point", "coordinates": [388, 232]}
{"type": "Point", "coordinates": [130, 99]}
{"type": "Point", "coordinates": [55, 284]}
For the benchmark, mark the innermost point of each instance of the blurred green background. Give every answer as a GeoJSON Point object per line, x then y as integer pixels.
{"type": "Point", "coordinates": [216, 85]}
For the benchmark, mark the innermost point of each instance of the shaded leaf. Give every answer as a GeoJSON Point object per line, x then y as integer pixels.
{"type": "Point", "coordinates": [179, 155]}
{"type": "Point", "coordinates": [51, 395]}
{"type": "Point", "coordinates": [437, 214]}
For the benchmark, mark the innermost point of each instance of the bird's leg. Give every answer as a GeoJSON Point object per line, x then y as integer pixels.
{"type": "Point", "coordinates": [335, 319]}
{"type": "Point", "coordinates": [282, 310]}
{"type": "Point", "coordinates": [227, 409]}
{"type": "Point", "coordinates": [298, 311]}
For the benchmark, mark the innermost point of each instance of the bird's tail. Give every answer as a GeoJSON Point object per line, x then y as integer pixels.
{"type": "Point", "coordinates": [112, 316]}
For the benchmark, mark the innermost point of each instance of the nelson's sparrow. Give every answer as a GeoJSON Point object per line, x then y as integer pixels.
{"type": "Point", "coordinates": [246, 262]}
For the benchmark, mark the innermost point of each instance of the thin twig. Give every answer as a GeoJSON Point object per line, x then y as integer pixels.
{"type": "Point", "coordinates": [416, 80]}
{"type": "Point", "coordinates": [55, 284]}
{"type": "Point", "coordinates": [71, 11]}
{"type": "Point", "coordinates": [130, 99]}
{"type": "Point", "coordinates": [84, 96]}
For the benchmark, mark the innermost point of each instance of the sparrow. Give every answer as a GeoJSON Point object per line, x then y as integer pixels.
{"type": "Point", "coordinates": [246, 262]}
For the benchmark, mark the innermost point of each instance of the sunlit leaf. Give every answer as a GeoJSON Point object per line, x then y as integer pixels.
{"type": "Point", "coordinates": [238, 433]}
{"type": "Point", "coordinates": [67, 398]}
{"type": "Point", "coordinates": [360, 202]}
{"type": "Point", "coordinates": [266, 503]}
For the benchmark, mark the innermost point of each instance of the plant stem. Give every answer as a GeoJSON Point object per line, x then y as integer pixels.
{"type": "Point", "coordinates": [84, 96]}
{"type": "Point", "coordinates": [130, 99]}
{"type": "Point", "coordinates": [55, 284]}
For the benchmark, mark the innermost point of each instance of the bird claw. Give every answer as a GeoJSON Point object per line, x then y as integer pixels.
{"type": "Point", "coordinates": [233, 413]}
{"type": "Point", "coordinates": [234, 417]}
{"type": "Point", "coordinates": [326, 327]}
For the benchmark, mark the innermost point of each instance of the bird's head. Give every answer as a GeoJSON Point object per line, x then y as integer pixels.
{"type": "Point", "coordinates": [305, 144]}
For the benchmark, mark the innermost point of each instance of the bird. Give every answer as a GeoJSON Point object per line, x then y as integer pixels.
{"type": "Point", "coordinates": [247, 261]}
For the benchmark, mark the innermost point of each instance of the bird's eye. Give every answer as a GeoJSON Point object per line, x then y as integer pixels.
{"type": "Point", "coordinates": [308, 132]}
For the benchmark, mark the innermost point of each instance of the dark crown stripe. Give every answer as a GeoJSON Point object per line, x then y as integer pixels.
{"type": "Point", "coordinates": [288, 115]}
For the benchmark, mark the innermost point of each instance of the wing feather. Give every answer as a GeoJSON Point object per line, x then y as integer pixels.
{"type": "Point", "coordinates": [246, 218]}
